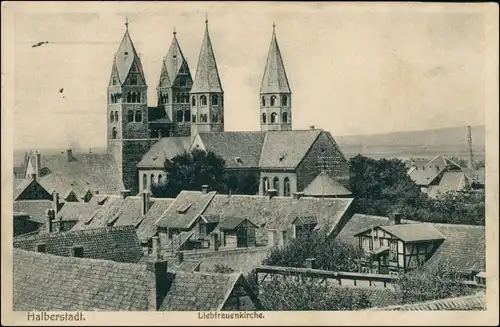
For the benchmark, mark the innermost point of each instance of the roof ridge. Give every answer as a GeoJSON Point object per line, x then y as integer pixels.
{"type": "Point", "coordinates": [85, 231]}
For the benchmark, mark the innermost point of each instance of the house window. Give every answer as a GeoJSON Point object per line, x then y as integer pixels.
{"type": "Point", "coordinates": [203, 228]}
{"type": "Point", "coordinates": [78, 251]}
{"type": "Point", "coordinates": [193, 101]}
{"type": "Point", "coordinates": [139, 100]}
{"type": "Point", "coordinates": [114, 133]}
{"type": "Point", "coordinates": [214, 118]}
{"type": "Point", "coordinates": [215, 100]}
{"type": "Point", "coordinates": [116, 116]}
{"type": "Point", "coordinates": [144, 181]}
{"type": "Point", "coordinates": [111, 117]}
{"type": "Point", "coordinates": [286, 186]}
{"type": "Point", "coordinates": [138, 116]}
{"type": "Point", "coordinates": [276, 184]}
{"type": "Point", "coordinates": [203, 100]}
{"type": "Point", "coordinates": [194, 119]}
{"type": "Point", "coordinates": [179, 115]}
{"type": "Point", "coordinates": [130, 116]}
{"type": "Point", "coordinates": [182, 82]}
{"type": "Point", "coordinates": [129, 97]}
{"type": "Point", "coordinates": [273, 101]}
{"type": "Point", "coordinates": [263, 118]}
{"type": "Point", "coordinates": [263, 101]}
{"type": "Point", "coordinates": [42, 248]}
{"type": "Point", "coordinates": [393, 252]}
{"type": "Point", "coordinates": [177, 98]}
{"type": "Point", "coordinates": [133, 80]}
{"type": "Point", "coordinates": [187, 114]}
{"type": "Point", "coordinates": [273, 117]}
{"type": "Point", "coordinates": [265, 184]}
{"type": "Point", "coordinates": [365, 243]}
{"type": "Point", "coordinates": [284, 100]}
{"type": "Point", "coordinates": [285, 117]}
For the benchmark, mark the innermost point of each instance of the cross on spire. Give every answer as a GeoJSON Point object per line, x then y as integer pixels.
{"type": "Point", "coordinates": [175, 32]}
{"type": "Point", "coordinates": [126, 23]}
{"type": "Point", "coordinates": [274, 27]}
{"type": "Point", "coordinates": [206, 18]}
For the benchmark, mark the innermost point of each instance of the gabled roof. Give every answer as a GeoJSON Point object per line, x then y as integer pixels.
{"type": "Point", "coordinates": [201, 291]}
{"type": "Point", "coordinates": [147, 228]}
{"type": "Point", "coordinates": [165, 148]}
{"type": "Point", "coordinates": [75, 211]}
{"type": "Point", "coordinates": [35, 208]}
{"type": "Point", "coordinates": [29, 189]}
{"type": "Point", "coordinates": [207, 75]}
{"type": "Point", "coordinates": [45, 282]}
{"type": "Point", "coordinates": [325, 185]}
{"type": "Point", "coordinates": [274, 79]}
{"type": "Point", "coordinates": [129, 213]}
{"type": "Point", "coordinates": [451, 181]}
{"type": "Point", "coordinates": [125, 57]}
{"type": "Point", "coordinates": [109, 243]}
{"type": "Point", "coordinates": [106, 207]}
{"type": "Point", "coordinates": [94, 171]}
{"type": "Point", "coordinates": [230, 223]}
{"type": "Point", "coordinates": [414, 232]}
{"type": "Point", "coordinates": [187, 266]}
{"type": "Point", "coordinates": [185, 209]}
{"type": "Point", "coordinates": [286, 149]}
{"type": "Point", "coordinates": [172, 64]}
{"type": "Point", "coordinates": [425, 174]}
{"type": "Point", "coordinates": [238, 149]}
{"type": "Point", "coordinates": [470, 302]}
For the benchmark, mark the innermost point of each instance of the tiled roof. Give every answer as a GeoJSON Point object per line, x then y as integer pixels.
{"type": "Point", "coordinates": [232, 222]}
{"type": "Point", "coordinates": [414, 232]}
{"type": "Point", "coordinates": [125, 57]}
{"type": "Point", "coordinates": [35, 190]}
{"type": "Point", "coordinates": [323, 184]}
{"type": "Point", "coordinates": [179, 240]}
{"type": "Point", "coordinates": [207, 76]}
{"type": "Point", "coordinates": [109, 243]}
{"type": "Point", "coordinates": [185, 209]}
{"type": "Point", "coordinates": [45, 282]}
{"type": "Point", "coordinates": [200, 291]}
{"type": "Point", "coordinates": [165, 148]}
{"type": "Point", "coordinates": [94, 171]}
{"type": "Point", "coordinates": [106, 207]}
{"type": "Point", "coordinates": [187, 266]}
{"type": "Point", "coordinates": [464, 248]}
{"type": "Point", "coordinates": [147, 228]}
{"type": "Point", "coordinates": [35, 208]}
{"type": "Point", "coordinates": [286, 149]}
{"type": "Point", "coordinates": [75, 211]}
{"type": "Point", "coordinates": [128, 213]}
{"type": "Point", "coordinates": [274, 79]}
{"type": "Point", "coordinates": [470, 303]}
{"type": "Point", "coordinates": [238, 149]}
{"type": "Point", "coordinates": [19, 185]}
{"type": "Point", "coordinates": [425, 174]}
{"type": "Point", "coordinates": [378, 296]}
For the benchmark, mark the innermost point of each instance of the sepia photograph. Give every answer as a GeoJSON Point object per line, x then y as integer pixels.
{"type": "Point", "coordinates": [249, 162]}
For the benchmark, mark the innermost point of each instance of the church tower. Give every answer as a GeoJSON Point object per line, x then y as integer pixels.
{"type": "Point", "coordinates": [207, 96]}
{"type": "Point", "coordinates": [128, 131]}
{"type": "Point", "coordinates": [173, 90]}
{"type": "Point", "coordinates": [275, 93]}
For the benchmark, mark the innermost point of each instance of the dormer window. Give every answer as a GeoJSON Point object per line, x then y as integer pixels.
{"type": "Point", "coordinates": [133, 80]}
{"type": "Point", "coordinates": [183, 209]}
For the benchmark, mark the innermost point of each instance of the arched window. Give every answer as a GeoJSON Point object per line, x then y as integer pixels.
{"type": "Point", "coordinates": [139, 100]}
{"type": "Point", "coordinates": [264, 118]}
{"type": "Point", "coordinates": [160, 179]}
{"type": "Point", "coordinates": [133, 80]}
{"type": "Point", "coordinates": [112, 98]}
{"type": "Point", "coordinates": [116, 116]}
{"type": "Point", "coordinates": [179, 115]}
{"type": "Point", "coordinates": [138, 116]}
{"type": "Point", "coordinates": [114, 80]}
{"type": "Point", "coordinates": [144, 181]}
{"type": "Point", "coordinates": [265, 184]}
{"type": "Point", "coordinates": [187, 114]}
{"type": "Point", "coordinates": [194, 119]}
{"type": "Point", "coordinates": [133, 97]}
{"type": "Point", "coordinates": [286, 186]}
{"type": "Point", "coordinates": [273, 118]}
{"type": "Point", "coordinates": [284, 100]}
{"type": "Point", "coordinates": [276, 184]}
{"type": "Point", "coordinates": [214, 118]}
{"type": "Point", "coordinates": [203, 100]}
{"type": "Point", "coordinates": [205, 118]}
{"type": "Point", "coordinates": [152, 180]}
{"type": "Point", "coordinates": [165, 96]}
{"type": "Point", "coordinates": [177, 98]}
{"type": "Point", "coordinates": [215, 100]}
{"type": "Point", "coordinates": [129, 97]}
{"type": "Point", "coordinates": [111, 117]}
{"type": "Point", "coordinates": [114, 133]}
{"type": "Point", "coordinates": [193, 101]}
{"type": "Point", "coordinates": [263, 101]}
{"type": "Point", "coordinates": [285, 117]}
{"type": "Point", "coordinates": [130, 116]}
{"type": "Point", "coordinates": [273, 101]}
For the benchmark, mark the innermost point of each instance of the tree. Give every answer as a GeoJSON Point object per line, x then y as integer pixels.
{"type": "Point", "coordinates": [329, 254]}
{"type": "Point", "coordinates": [241, 182]}
{"type": "Point", "coordinates": [430, 284]}
{"type": "Point", "coordinates": [222, 269]}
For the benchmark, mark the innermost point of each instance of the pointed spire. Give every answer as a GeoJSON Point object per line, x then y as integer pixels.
{"type": "Point", "coordinates": [207, 75]}
{"type": "Point", "coordinates": [173, 63]}
{"type": "Point", "coordinates": [274, 79]}
{"type": "Point", "coordinates": [126, 56]}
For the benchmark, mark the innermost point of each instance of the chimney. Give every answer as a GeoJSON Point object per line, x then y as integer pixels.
{"type": "Point", "coordinates": [271, 193]}
{"type": "Point", "coordinates": [180, 258]}
{"type": "Point", "coordinates": [397, 218]}
{"type": "Point", "coordinates": [156, 248]}
{"type": "Point", "coordinates": [469, 147]}
{"type": "Point", "coordinates": [38, 165]}
{"type": "Point", "coordinates": [124, 193]}
{"type": "Point", "coordinates": [312, 127]}
{"type": "Point", "coordinates": [163, 281]}
{"type": "Point", "coordinates": [90, 150]}
{"type": "Point", "coordinates": [69, 152]}
{"type": "Point", "coordinates": [298, 195]}
{"type": "Point", "coordinates": [55, 202]}
{"type": "Point", "coordinates": [311, 263]}
{"type": "Point", "coordinates": [49, 217]}
{"type": "Point", "coordinates": [145, 202]}
{"type": "Point", "coordinates": [204, 189]}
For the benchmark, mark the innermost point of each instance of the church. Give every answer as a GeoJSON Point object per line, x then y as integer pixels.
{"type": "Point", "coordinates": [189, 114]}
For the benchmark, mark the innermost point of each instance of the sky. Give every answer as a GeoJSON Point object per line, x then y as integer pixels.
{"type": "Point", "coordinates": [353, 69]}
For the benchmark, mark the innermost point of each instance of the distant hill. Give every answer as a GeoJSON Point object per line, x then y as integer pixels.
{"type": "Point", "coordinates": [449, 141]}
